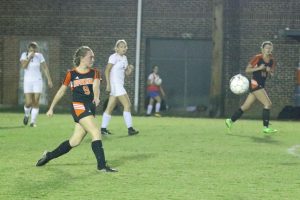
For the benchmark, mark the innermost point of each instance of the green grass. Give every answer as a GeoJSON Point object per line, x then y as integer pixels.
{"type": "Point", "coordinates": [171, 158]}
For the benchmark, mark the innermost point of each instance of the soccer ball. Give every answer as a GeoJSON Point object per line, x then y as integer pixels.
{"type": "Point", "coordinates": [158, 81]}
{"type": "Point", "coordinates": [239, 84]}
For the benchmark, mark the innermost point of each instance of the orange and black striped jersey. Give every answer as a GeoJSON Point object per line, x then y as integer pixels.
{"type": "Point", "coordinates": [81, 84]}
{"type": "Point", "coordinates": [260, 76]}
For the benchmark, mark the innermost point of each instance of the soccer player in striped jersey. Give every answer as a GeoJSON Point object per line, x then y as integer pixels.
{"type": "Point", "coordinates": [261, 66]}
{"type": "Point", "coordinates": [154, 91]}
{"type": "Point", "coordinates": [85, 85]}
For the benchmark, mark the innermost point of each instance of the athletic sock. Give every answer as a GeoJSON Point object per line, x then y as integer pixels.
{"type": "Point", "coordinates": [62, 149]}
{"type": "Point", "coordinates": [266, 117]}
{"type": "Point", "coordinates": [237, 115]}
{"type": "Point", "coordinates": [105, 120]}
{"type": "Point", "coordinates": [34, 114]}
{"type": "Point", "coordinates": [157, 107]}
{"type": "Point", "coordinates": [149, 109]}
{"type": "Point", "coordinates": [127, 119]}
{"type": "Point", "coordinates": [27, 111]}
{"type": "Point", "coordinates": [99, 153]}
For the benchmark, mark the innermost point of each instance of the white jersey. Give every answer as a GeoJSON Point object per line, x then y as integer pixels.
{"type": "Point", "coordinates": [152, 77]}
{"type": "Point", "coordinates": [117, 73]}
{"type": "Point", "coordinates": [33, 71]}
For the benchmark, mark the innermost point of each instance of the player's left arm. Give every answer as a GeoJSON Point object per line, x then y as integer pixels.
{"type": "Point", "coordinates": [129, 70]}
{"type": "Point", "coordinates": [45, 69]}
{"type": "Point", "coordinates": [162, 91]}
{"type": "Point", "coordinates": [271, 69]}
{"type": "Point", "coordinates": [96, 89]}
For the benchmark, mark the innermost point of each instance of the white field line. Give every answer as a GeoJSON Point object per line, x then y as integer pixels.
{"type": "Point", "coordinates": [293, 150]}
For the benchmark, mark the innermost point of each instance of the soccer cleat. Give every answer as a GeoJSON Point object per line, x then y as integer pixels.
{"type": "Point", "coordinates": [269, 130]}
{"type": "Point", "coordinates": [43, 160]}
{"type": "Point", "coordinates": [157, 114]}
{"type": "Point", "coordinates": [107, 169]}
{"type": "Point", "coordinates": [132, 131]}
{"type": "Point", "coordinates": [228, 123]}
{"type": "Point", "coordinates": [104, 131]}
{"type": "Point", "coordinates": [25, 120]}
{"type": "Point", "coordinates": [33, 125]}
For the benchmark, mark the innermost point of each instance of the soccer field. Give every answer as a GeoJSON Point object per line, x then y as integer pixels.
{"type": "Point", "coordinates": [171, 158]}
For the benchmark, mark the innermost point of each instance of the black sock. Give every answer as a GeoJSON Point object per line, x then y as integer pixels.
{"type": "Point", "coordinates": [62, 149]}
{"type": "Point", "coordinates": [99, 153]}
{"type": "Point", "coordinates": [266, 117]}
{"type": "Point", "coordinates": [237, 115]}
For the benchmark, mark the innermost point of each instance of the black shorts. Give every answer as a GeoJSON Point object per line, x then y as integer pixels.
{"type": "Point", "coordinates": [253, 86]}
{"type": "Point", "coordinates": [80, 110]}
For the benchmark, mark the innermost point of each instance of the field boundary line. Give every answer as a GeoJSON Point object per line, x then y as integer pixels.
{"type": "Point", "coordinates": [292, 150]}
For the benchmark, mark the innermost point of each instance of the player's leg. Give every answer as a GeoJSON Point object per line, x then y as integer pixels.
{"type": "Point", "coordinates": [37, 90]}
{"type": "Point", "coordinates": [28, 93]}
{"type": "Point", "coordinates": [106, 117]}
{"type": "Point", "coordinates": [150, 106]}
{"type": "Point", "coordinates": [125, 101]}
{"type": "Point", "coordinates": [35, 108]}
{"type": "Point", "coordinates": [90, 126]}
{"type": "Point", "coordinates": [78, 135]}
{"type": "Point", "coordinates": [157, 106]}
{"type": "Point", "coordinates": [238, 113]}
{"type": "Point", "coordinates": [27, 107]}
{"type": "Point", "coordinates": [263, 97]}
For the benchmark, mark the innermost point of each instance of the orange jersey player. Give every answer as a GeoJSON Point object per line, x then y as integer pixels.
{"type": "Point", "coordinates": [85, 86]}
{"type": "Point", "coordinates": [259, 77]}
{"type": "Point", "coordinates": [261, 66]}
{"type": "Point", "coordinates": [82, 92]}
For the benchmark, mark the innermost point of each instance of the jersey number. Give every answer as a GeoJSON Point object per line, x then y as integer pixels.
{"type": "Point", "coordinates": [86, 90]}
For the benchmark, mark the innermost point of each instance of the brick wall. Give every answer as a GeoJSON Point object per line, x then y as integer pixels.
{"type": "Point", "coordinates": [69, 24]}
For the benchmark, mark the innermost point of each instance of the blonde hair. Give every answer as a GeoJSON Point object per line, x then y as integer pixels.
{"type": "Point", "coordinates": [79, 53]}
{"type": "Point", "coordinates": [265, 43]}
{"type": "Point", "coordinates": [33, 45]}
{"type": "Point", "coordinates": [118, 42]}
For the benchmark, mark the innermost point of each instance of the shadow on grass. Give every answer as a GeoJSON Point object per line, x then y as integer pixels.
{"type": "Point", "coordinates": [11, 127]}
{"type": "Point", "coordinates": [290, 164]}
{"type": "Point", "coordinates": [265, 139]}
{"type": "Point", "coordinates": [71, 164]}
{"type": "Point", "coordinates": [115, 162]}
{"type": "Point", "coordinates": [136, 157]}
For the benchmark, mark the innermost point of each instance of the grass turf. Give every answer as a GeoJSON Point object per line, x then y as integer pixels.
{"type": "Point", "coordinates": [171, 158]}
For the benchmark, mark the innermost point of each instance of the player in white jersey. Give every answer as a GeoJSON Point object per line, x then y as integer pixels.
{"type": "Point", "coordinates": [115, 72]}
{"type": "Point", "coordinates": [32, 62]}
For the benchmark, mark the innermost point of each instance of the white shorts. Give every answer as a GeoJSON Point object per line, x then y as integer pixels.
{"type": "Point", "coordinates": [33, 86]}
{"type": "Point", "coordinates": [117, 90]}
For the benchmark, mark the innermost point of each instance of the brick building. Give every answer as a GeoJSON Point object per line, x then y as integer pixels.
{"type": "Point", "coordinates": [168, 28]}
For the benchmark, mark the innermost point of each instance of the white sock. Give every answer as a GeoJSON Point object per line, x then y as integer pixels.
{"type": "Point", "coordinates": [105, 120]}
{"type": "Point", "coordinates": [157, 107]}
{"type": "Point", "coordinates": [127, 119]}
{"type": "Point", "coordinates": [34, 114]}
{"type": "Point", "coordinates": [149, 109]}
{"type": "Point", "coordinates": [27, 111]}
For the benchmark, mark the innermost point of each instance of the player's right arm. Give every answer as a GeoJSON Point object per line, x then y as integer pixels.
{"type": "Point", "coordinates": [60, 93]}
{"type": "Point", "coordinates": [150, 79]}
{"type": "Point", "coordinates": [107, 77]}
{"type": "Point", "coordinates": [25, 61]}
{"type": "Point", "coordinates": [252, 66]}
